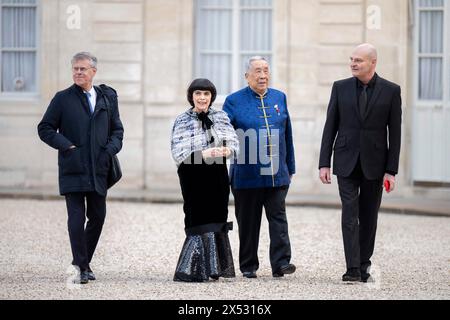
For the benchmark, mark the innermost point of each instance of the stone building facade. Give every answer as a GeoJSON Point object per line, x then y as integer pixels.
{"type": "Point", "coordinates": [149, 51]}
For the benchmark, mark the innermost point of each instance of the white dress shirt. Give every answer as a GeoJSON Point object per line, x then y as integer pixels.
{"type": "Point", "coordinates": [92, 98]}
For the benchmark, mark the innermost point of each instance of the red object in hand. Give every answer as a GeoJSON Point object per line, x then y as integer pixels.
{"type": "Point", "coordinates": [387, 185]}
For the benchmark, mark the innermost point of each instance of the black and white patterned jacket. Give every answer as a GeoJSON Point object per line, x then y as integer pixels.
{"type": "Point", "coordinates": [188, 135]}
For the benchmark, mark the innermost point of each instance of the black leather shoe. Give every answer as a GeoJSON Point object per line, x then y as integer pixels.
{"type": "Point", "coordinates": [249, 274]}
{"type": "Point", "coordinates": [352, 274]}
{"type": "Point", "coordinates": [365, 276]}
{"type": "Point", "coordinates": [91, 274]}
{"type": "Point", "coordinates": [365, 272]}
{"type": "Point", "coordinates": [82, 278]}
{"type": "Point", "coordinates": [287, 269]}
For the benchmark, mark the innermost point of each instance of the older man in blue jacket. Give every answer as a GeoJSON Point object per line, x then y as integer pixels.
{"type": "Point", "coordinates": [82, 122]}
{"type": "Point", "coordinates": [260, 177]}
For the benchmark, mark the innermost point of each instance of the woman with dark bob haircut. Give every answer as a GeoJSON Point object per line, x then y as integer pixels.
{"type": "Point", "coordinates": [202, 139]}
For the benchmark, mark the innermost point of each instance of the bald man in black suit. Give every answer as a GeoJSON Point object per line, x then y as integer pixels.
{"type": "Point", "coordinates": [364, 125]}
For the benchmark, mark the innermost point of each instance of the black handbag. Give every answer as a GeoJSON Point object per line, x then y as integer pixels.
{"type": "Point", "coordinates": [115, 172]}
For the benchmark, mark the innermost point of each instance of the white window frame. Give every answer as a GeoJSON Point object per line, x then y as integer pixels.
{"type": "Point", "coordinates": [445, 55]}
{"type": "Point", "coordinates": [236, 53]}
{"type": "Point", "coordinates": [22, 95]}
{"type": "Point", "coordinates": [431, 104]}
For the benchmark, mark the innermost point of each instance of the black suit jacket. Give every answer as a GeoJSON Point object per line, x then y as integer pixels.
{"type": "Point", "coordinates": [68, 121]}
{"type": "Point", "coordinates": [375, 140]}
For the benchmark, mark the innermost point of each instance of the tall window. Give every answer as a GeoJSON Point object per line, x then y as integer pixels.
{"type": "Point", "coordinates": [228, 32]}
{"type": "Point", "coordinates": [431, 109]}
{"type": "Point", "coordinates": [18, 46]}
{"type": "Point", "coordinates": [431, 49]}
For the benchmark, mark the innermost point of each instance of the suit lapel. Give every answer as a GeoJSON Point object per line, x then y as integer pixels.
{"type": "Point", "coordinates": [100, 102]}
{"type": "Point", "coordinates": [83, 99]}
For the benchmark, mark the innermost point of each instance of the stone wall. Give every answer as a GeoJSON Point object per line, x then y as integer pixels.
{"type": "Point", "coordinates": [145, 51]}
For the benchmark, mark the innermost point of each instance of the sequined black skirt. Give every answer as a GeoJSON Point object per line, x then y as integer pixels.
{"type": "Point", "coordinates": [206, 254]}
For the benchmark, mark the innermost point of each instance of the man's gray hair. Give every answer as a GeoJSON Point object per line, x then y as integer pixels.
{"type": "Point", "coordinates": [249, 62]}
{"type": "Point", "coordinates": [85, 56]}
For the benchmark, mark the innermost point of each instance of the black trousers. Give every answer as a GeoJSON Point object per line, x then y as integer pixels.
{"type": "Point", "coordinates": [361, 199]}
{"type": "Point", "coordinates": [249, 204]}
{"type": "Point", "coordinates": [83, 241]}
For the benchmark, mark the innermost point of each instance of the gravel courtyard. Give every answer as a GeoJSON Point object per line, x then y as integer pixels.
{"type": "Point", "coordinates": [140, 243]}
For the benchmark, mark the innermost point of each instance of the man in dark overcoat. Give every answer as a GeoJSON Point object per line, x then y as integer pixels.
{"type": "Point", "coordinates": [82, 122]}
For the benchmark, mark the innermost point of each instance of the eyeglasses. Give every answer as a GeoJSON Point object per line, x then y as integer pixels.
{"type": "Point", "coordinates": [80, 69]}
